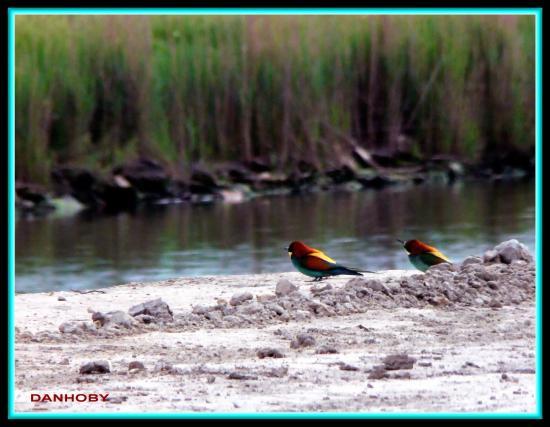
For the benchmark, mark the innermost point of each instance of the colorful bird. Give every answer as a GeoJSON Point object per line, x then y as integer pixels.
{"type": "Point", "coordinates": [423, 256]}
{"type": "Point", "coordinates": [314, 263]}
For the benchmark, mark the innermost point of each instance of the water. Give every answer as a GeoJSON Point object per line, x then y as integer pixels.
{"type": "Point", "coordinates": [358, 229]}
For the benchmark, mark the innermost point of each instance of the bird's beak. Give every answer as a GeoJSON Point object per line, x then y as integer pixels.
{"type": "Point", "coordinates": [400, 241]}
{"type": "Point", "coordinates": [288, 250]}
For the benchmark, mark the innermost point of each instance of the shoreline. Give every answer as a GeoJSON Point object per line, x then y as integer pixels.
{"type": "Point", "coordinates": [146, 182]}
{"type": "Point", "coordinates": [398, 341]}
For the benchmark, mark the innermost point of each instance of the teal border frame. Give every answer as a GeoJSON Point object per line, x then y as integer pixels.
{"type": "Point", "coordinates": [13, 12]}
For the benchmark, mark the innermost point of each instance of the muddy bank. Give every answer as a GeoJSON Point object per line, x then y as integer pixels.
{"type": "Point", "coordinates": [458, 338]}
{"type": "Point", "coordinates": [145, 181]}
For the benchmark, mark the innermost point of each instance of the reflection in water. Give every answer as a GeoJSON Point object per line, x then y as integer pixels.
{"type": "Point", "coordinates": [358, 229]}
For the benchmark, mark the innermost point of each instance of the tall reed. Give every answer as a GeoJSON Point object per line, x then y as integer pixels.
{"type": "Point", "coordinates": [96, 90]}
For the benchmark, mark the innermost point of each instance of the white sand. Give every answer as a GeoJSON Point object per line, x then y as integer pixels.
{"type": "Point", "coordinates": [461, 355]}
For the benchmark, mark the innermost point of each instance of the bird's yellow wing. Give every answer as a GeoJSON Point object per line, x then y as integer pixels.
{"type": "Point", "coordinates": [439, 255]}
{"type": "Point", "coordinates": [321, 255]}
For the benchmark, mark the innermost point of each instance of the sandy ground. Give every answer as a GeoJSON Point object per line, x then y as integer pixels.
{"type": "Point", "coordinates": [467, 357]}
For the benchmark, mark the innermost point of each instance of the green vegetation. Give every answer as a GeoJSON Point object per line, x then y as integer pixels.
{"type": "Point", "coordinates": [96, 90]}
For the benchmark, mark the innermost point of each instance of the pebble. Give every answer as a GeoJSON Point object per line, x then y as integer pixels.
{"type": "Point", "coordinates": [326, 349]}
{"type": "Point", "coordinates": [241, 376]}
{"type": "Point", "coordinates": [136, 365]}
{"type": "Point", "coordinates": [238, 299]}
{"type": "Point", "coordinates": [285, 287]}
{"type": "Point", "coordinates": [346, 367]}
{"type": "Point", "coordinates": [378, 372]}
{"type": "Point", "coordinates": [95, 367]}
{"type": "Point", "coordinates": [269, 352]}
{"type": "Point", "coordinates": [156, 308]}
{"type": "Point", "coordinates": [113, 319]}
{"type": "Point", "coordinates": [302, 340]}
{"type": "Point", "coordinates": [398, 361]}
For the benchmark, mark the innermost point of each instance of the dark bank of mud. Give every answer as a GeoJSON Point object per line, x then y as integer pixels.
{"type": "Point", "coordinates": [145, 181]}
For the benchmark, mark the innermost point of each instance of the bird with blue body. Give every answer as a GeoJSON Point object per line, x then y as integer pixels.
{"type": "Point", "coordinates": [314, 263]}
{"type": "Point", "coordinates": [423, 256]}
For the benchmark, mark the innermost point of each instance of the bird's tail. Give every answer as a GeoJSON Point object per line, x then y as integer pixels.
{"type": "Point", "coordinates": [350, 271]}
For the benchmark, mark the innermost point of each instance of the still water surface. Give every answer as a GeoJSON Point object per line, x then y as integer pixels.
{"type": "Point", "coordinates": [358, 229]}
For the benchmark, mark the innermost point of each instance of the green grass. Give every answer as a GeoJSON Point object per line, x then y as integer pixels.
{"type": "Point", "coordinates": [97, 90]}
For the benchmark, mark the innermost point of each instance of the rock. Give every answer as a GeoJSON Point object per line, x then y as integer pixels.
{"type": "Point", "coordinates": [241, 376]}
{"type": "Point", "coordinates": [203, 309]}
{"type": "Point", "coordinates": [145, 318]}
{"type": "Point", "coordinates": [163, 366]}
{"type": "Point", "coordinates": [236, 173]}
{"type": "Point", "coordinates": [320, 309]}
{"type": "Point", "coordinates": [229, 310]}
{"type": "Point", "coordinates": [438, 301]}
{"type": "Point", "coordinates": [238, 299]}
{"type": "Point", "coordinates": [265, 298]}
{"type": "Point", "coordinates": [259, 165]}
{"type": "Point", "coordinates": [70, 328]}
{"type": "Point", "coordinates": [487, 275]}
{"type": "Point", "coordinates": [374, 284]}
{"type": "Point", "coordinates": [398, 361]}
{"type": "Point", "coordinates": [512, 250]}
{"type": "Point", "coordinates": [298, 315]}
{"type": "Point", "coordinates": [401, 375]}
{"type": "Point", "coordinates": [493, 285]}
{"type": "Point", "coordinates": [269, 352]}
{"type": "Point", "coordinates": [341, 174]}
{"type": "Point", "coordinates": [491, 256]}
{"type": "Point", "coordinates": [146, 175]}
{"type": "Point", "coordinates": [33, 193]}
{"type": "Point", "coordinates": [326, 349]}
{"type": "Point", "coordinates": [378, 372]}
{"type": "Point", "coordinates": [113, 319]}
{"type": "Point", "coordinates": [32, 199]}
{"type": "Point", "coordinates": [211, 379]}
{"type": "Point", "coordinates": [302, 340]}
{"type": "Point", "coordinates": [203, 182]}
{"type": "Point", "coordinates": [83, 185]}
{"type": "Point", "coordinates": [316, 290]}
{"type": "Point", "coordinates": [471, 260]}
{"type": "Point", "coordinates": [95, 192]}
{"type": "Point", "coordinates": [495, 304]}
{"type": "Point", "coordinates": [215, 316]}
{"type": "Point", "coordinates": [136, 366]}
{"type": "Point", "coordinates": [61, 298]}
{"type": "Point", "coordinates": [347, 367]}
{"type": "Point", "coordinates": [276, 308]}
{"type": "Point", "coordinates": [116, 197]}
{"type": "Point", "coordinates": [285, 287]}
{"type": "Point", "coordinates": [96, 367]}
{"type": "Point", "coordinates": [444, 267]}
{"type": "Point", "coordinates": [277, 372]}
{"type": "Point", "coordinates": [507, 252]}
{"type": "Point", "coordinates": [156, 308]}
{"type": "Point", "coordinates": [377, 181]}
{"type": "Point", "coordinates": [117, 399]}
{"type": "Point", "coordinates": [233, 196]}
{"type": "Point", "coordinates": [76, 327]}
{"type": "Point", "coordinates": [233, 320]}
{"type": "Point", "coordinates": [251, 308]}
